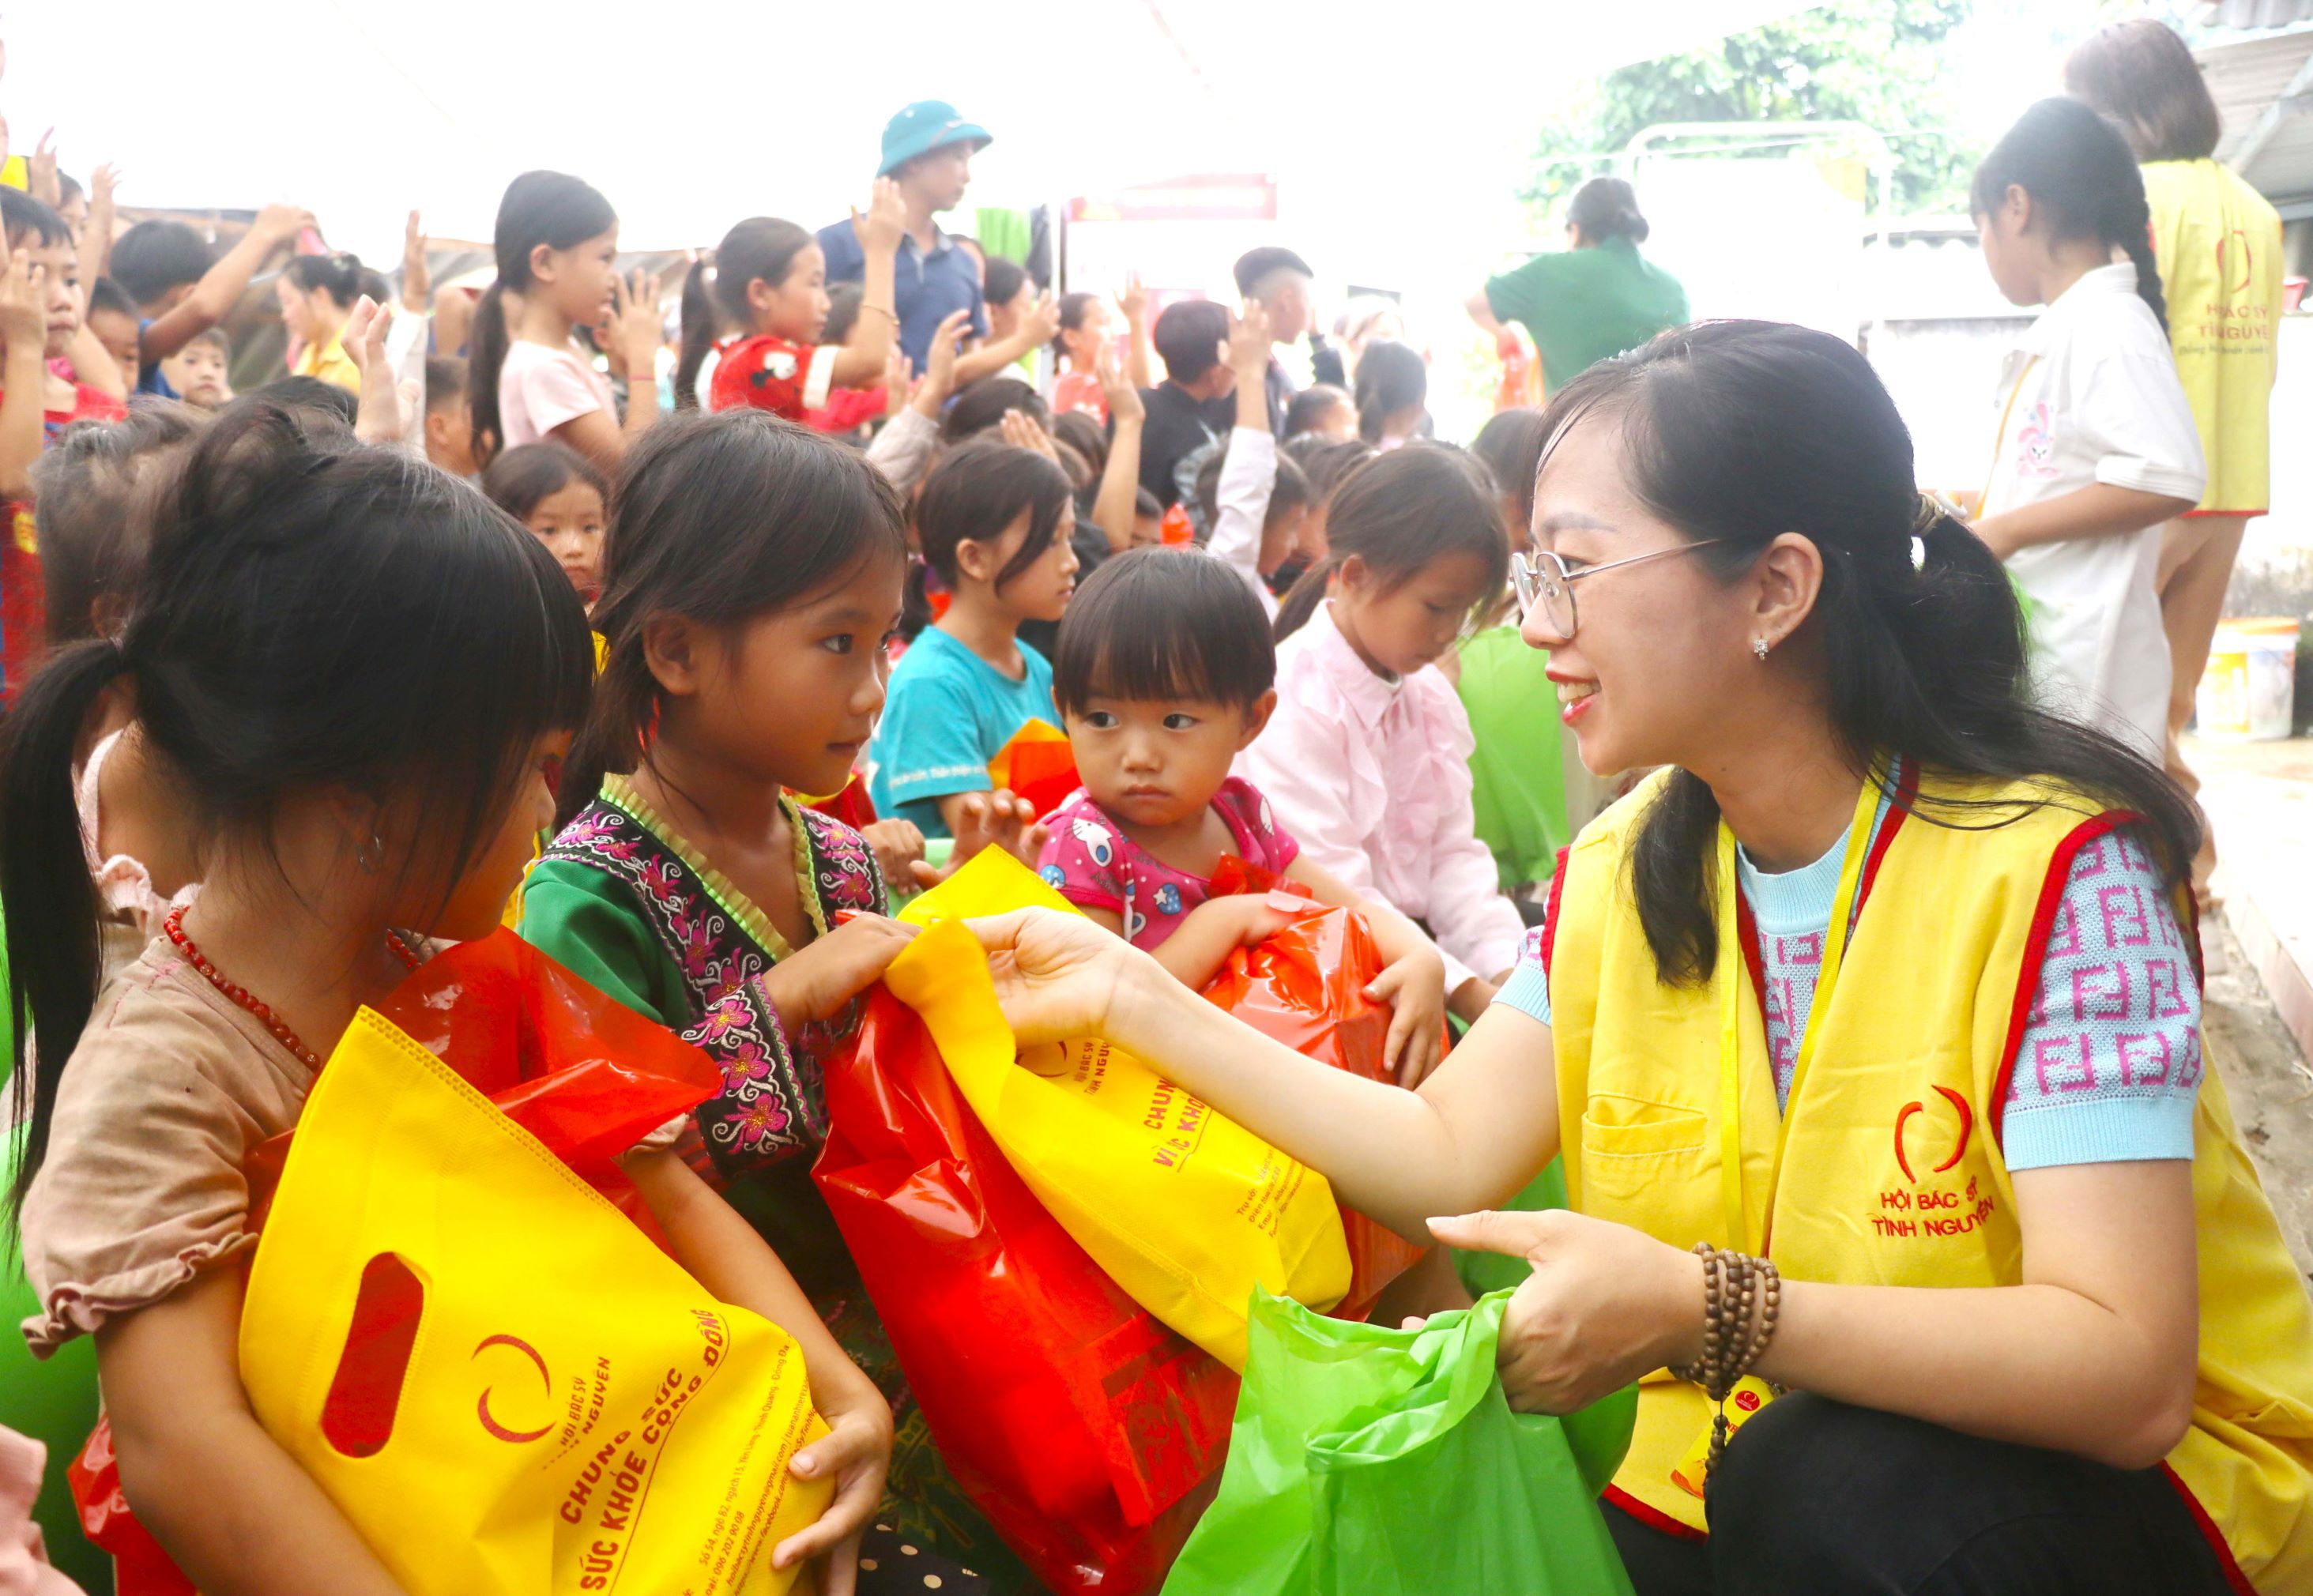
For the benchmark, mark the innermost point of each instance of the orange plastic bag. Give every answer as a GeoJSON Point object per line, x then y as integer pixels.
{"type": "Point", "coordinates": [1084, 1430]}
{"type": "Point", "coordinates": [1037, 764]}
{"type": "Point", "coordinates": [1304, 987]}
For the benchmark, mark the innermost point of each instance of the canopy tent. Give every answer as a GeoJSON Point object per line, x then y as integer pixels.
{"type": "Point", "coordinates": [690, 119]}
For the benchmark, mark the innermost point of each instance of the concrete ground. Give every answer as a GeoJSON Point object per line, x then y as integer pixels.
{"type": "Point", "coordinates": [2258, 1005]}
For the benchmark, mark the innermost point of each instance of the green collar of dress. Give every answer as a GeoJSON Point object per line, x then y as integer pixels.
{"type": "Point", "coordinates": [620, 793]}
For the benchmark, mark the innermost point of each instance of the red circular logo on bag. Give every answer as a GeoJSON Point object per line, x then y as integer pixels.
{"type": "Point", "coordinates": [482, 1402]}
{"type": "Point", "coordinates": [1749, 1401]}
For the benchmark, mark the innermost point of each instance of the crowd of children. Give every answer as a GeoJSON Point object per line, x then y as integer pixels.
{"type": "Point", "coordinates": [289, 697]}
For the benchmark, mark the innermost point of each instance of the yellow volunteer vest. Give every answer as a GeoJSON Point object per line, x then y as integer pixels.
{"type": "Point", "coordinates": [2218, 246]}
{"type": "Point", "coordinates": [1891, 1173]}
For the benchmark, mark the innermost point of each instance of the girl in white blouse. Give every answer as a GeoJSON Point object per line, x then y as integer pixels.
{"type": "Point", "coordinates": [2096, 446]}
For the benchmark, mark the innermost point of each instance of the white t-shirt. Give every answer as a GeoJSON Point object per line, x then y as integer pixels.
{"type": "Point", "coordinates": [540, 389]}
{"type": "Point", "coordinates": [2089, 394]}
{"type": "Point", "coordinates": [1248, 479]}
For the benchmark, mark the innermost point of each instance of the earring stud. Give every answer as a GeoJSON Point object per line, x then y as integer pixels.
{"type": "Point", "coordinates": [1759, 647]}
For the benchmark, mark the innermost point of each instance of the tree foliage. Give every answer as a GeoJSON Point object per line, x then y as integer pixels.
{"type": "Point", "coordinates": [1870, 61]}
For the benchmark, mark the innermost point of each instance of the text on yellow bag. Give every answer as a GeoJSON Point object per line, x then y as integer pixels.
{"type": "Point", "coordinates": [564, 1410]}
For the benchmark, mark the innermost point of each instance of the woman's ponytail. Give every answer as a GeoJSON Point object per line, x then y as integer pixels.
{"type": "Point", "coordinates": [699, 329]}
{"type": "Point", "coordinates": [484, 358]}
{"type": "Point", "coordinates": [1301, 600]}
{"type": "Point", "coordinates": [53, 913]}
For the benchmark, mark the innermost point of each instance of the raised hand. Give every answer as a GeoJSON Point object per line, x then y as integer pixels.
{"type": "Point", "coordinates": [1124, 399]}
{"type": "Point", "coordinates": [40, 179]}
{"type": "Point", "coordinates": [417, 277]}
{"type": "Point", "coordinates": [886, 220]}
{"type": "Point", "coordinates": [24, 303]}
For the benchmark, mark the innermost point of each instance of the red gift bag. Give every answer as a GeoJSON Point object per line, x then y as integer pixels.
{"type": "Point", "coordinates": [1304, 987]}
{"type": "Point", "coordinates": [584, 1075]}
{"type": "Point", "coordinates": [1086, 1432]}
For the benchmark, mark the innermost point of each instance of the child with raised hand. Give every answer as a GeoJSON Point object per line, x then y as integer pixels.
{"type": "Point", "coordinates": [557, 244]}
{"type": "Point", "coordinates": [40, 318]}
{"type": "Point", "coordinates": [179, 290]}
{"type": "Point", "coordinates": [1367, 759]}
{"type": "Point", "coordinates": [750, 576]}
{"type": "Point", "coordinates": [1164, 675]}
{"type": "Point", "coordinates": [334, 828]}
{"type": "Point", "coordinates": [562, 501]}
{"type": "Point", "coordinates": [994, 522]}
{"type": "Point", "coordinates": [903, 450]}
{"type": "Point", "coordinates": [764, 312]}
{"type": "Point", "coordinates": [2096, 446]}
{"type": "Point", "coordinates": [1258, 498]}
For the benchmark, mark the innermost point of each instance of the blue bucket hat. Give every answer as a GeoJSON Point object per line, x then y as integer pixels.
{"type": "Point", "coordinates": [925, 126]}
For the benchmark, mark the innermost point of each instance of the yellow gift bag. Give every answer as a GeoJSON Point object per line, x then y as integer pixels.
{"type": "Point", "coordinates": [1184, 1209]}
{"type": "Point", "coordinates": [502, 1385]}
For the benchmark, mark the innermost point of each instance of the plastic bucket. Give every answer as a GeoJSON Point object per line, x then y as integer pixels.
{"type": "Point", "coordinates": [2248, 693]}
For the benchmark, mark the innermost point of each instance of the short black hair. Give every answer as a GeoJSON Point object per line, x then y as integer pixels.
{"type": "Point", "coordinates": [1189, 334]}
{"type": "Point", "coordinates": [1288, 489]}
{"type": "Point", "coordinates": [105, 295]}
{"type": "Point", "coordinates": [980, 406]}
{"type": "Point", "coordinates": [1148, 506]}
{"type": "Point", "coordinates": [1082, 431]}
{"type": "Point", "coordinates": [154, 257]}
{"type": "Point", "coordinates": [24, 215]}
{"type": "Point", "coordinates": [308, 397]}
{"type": "Point", "coordinates": [1163, 622]}
{"type": "Point", "coordinates": [446, 382]}
{"type": "Point", "coordinates": [1003, 280]}
{"type": "Point", "coordinates": [1254, 265]}
{"type": "Point", "coordinates": [975, 493]}
{"type": "Point", "coordinates": [1307, 407]}
{"type": "Point", "coordinates": [2141, 74]}
{"type": "Point", "coordinates": [518, 479]}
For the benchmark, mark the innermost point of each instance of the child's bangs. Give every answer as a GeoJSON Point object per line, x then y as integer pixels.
{"type": "Point", "coordinates": [1140, 655]}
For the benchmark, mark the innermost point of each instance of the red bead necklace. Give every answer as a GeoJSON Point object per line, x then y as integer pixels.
{"type": "Point", "coordinates": [174, 928]}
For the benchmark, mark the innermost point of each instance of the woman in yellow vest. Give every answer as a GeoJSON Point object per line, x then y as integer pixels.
{"type": "Point", "coordinates": [2038, 1327]}
{"type": "Point", "coordinates": [2217, 245]}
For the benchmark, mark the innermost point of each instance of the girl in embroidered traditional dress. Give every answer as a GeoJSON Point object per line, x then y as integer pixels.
{"type": "Point", "coordinates": [1887, 977]}
{"type": "Point", "coordinates": [405, 796]}
{"type": "Point", "coordinates": [752, 576]}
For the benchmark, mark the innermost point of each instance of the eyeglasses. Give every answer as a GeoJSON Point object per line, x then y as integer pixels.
{"type": "Point", "coordinates": [1541, 578]}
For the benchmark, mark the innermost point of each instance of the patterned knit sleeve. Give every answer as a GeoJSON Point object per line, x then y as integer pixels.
{"type": "Point", "coordinates": [760, 1114]}
{"type": "Point", "coordinates": [2110, 1059]}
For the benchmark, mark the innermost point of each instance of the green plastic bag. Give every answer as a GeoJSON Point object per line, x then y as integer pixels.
{"type": "Point", "coordinates": [1368, 1461]}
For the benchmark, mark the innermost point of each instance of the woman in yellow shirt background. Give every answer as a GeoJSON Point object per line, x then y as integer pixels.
{"type": "Point", "coordinates": [2218, 246]}
{"type": "Point", "coordinates": [317, 293]}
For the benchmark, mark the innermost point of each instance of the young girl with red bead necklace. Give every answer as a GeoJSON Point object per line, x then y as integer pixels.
{"type": "Point", "coordinates": [405, 797]}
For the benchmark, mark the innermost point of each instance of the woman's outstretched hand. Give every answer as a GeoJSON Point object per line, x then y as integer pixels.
{"type": "Point", "coordinates": [1059, 976]}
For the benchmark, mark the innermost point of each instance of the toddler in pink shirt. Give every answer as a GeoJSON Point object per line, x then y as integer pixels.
{"type": "Point", "coordinates": [1162, 675]}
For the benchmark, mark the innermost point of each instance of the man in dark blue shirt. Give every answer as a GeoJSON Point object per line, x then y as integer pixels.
{"type": "Point", "coordinates": [927, 150]}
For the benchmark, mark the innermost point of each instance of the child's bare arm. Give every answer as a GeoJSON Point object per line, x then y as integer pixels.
{"type": "Point", "coordinates": [1116, 505]}
{"type": "Point", "coordinates": [863, 356]}
{"type": "Point", "coordinates": [25, 370]}
{"type": "Point", "coordinates": [213, 297]}
{"type": "Point", "coordinates": [1196, 951]}
{"type": "Point", "coordinates": [96, 238]}
{"type": "Point", "coordinates": [725, 1255]}
{"type": "Point", "coordinates": [235, 1510]}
